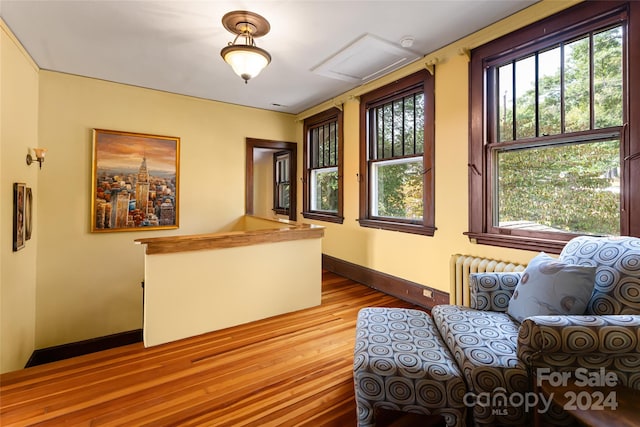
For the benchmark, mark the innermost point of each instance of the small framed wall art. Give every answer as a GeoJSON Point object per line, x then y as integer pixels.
{"type": "Point", "coordinates": [28, 213]}
{"type": "Point", "coordinates": [19, 200]}
{"type": "Point", "coordinates": [134, 181]}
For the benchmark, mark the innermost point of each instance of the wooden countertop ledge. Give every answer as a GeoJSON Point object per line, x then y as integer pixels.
{"type": "Point", "coordinates": [281, 232]}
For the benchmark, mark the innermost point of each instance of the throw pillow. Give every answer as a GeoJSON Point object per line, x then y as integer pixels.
{"type": "Point", "coordinates": [550, 286]}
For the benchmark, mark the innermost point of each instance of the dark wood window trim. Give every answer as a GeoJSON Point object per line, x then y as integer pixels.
{"type": "Point", "coordinates": [328, 116]}
{"type": "Point", "coordinates": [578, 18]}
{"type": "Point", "coordinates": [397, 89]}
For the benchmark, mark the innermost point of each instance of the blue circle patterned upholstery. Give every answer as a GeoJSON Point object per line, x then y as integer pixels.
{"type": "Point", "coordinates": [594, 342]}
{"type": "Point", "coordinates": [484, 345]}
{"type": "Point", "coordinates": [401, 363]}
{"type": "Point", "coordinates": [617, 288]}
{"type": "Point", "coordinates": [492, 291]}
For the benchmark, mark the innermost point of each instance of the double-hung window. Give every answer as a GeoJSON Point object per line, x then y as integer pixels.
{"type": "Point", "coordinates": [396, 165]}
{"type": "Point", "coordinates": [551, 154]}
{"type": "Point", "coordinates": [322, 197]}
{"type": "Point", "coordinates": [281, 176]}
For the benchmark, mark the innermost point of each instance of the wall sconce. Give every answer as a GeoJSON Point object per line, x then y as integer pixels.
{"type": "Point", "coordinates": [246, 59]}
{"type": "Point", "coordinates": [39, 152]}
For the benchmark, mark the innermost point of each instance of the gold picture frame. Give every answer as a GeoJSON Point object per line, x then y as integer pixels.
{"type": "Point", "coordinates": [134, 181]}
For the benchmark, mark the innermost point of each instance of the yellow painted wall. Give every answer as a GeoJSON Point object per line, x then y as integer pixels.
{"type": "Point", "coordinates": [421, 259]}
{"type": "Point", "coordinates": [263, 182]}
{"type": "Point", "coordinates": [89, 284]}
{"type": "Point", "coordinates": [18, 133]}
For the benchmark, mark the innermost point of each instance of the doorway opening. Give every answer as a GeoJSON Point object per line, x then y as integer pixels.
{"type": "Point", "coordinates": [271, 170]}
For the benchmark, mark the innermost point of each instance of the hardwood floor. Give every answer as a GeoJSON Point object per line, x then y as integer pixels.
{"type": "Point", "coordinates": [289, 370]}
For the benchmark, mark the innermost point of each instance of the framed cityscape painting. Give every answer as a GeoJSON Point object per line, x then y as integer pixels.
{"type": "Point", "coordinates": [135, 181]}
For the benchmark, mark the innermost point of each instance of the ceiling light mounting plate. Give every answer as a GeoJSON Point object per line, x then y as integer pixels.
{"type": "Point", "coordinates": [242, 21]}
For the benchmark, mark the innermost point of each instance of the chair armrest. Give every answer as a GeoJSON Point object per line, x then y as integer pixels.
{"type": "Point", "coordinates": [492, 291]}
{"type": "Point", "coordinates": [552, 340]}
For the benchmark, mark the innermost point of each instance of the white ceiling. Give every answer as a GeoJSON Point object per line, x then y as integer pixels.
{"type": "Point", "coordinates": [174, 46]}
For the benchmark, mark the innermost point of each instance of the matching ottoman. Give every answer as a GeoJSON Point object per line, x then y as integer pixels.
{"type": "Point", "coordinates": [401, 363]}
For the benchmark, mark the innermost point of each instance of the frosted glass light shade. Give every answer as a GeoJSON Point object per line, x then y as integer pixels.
{"type": "Point", "coordinates": [246, 61]}
{"type": "Point", "coordinates": [39, 152]}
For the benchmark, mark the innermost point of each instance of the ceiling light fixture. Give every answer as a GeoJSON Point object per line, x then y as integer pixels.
{"type": "Point", "coordinates": [246, 59]}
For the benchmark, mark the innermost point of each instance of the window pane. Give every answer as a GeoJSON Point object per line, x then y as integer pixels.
{"type": "Point", "coordinates": [282, 182]}
{"type": "Point", "coordinates": [398, 128]}
{"type": "Point", "coordinates": [409, 125]}
{"type": "Point", "coordinates": [333, 153]}
{"type": "Point", "coordinates": [565, 188]}
{"type": "Point", "coordinates": [282, 169]}
{"type": "Point", "coordinates": [283, 196]}
{"type": "Point", "coordinates": [397, 191]}
{"type": "Point", "coordinates": [505, 103]}
{"type": "Point", "coordinates": [525, 98]}
{"type": "Point", "coordinates": [324, 190]}
{"type": "Point", "coordinates": [387, 128]}
{"type": "Point", "coordinates": [576, 85]}
{"type": "Point", "coordinates": [324, 145]}
{"type": "Point", "coordinates": [314, 148]}
{"type": "Point", "coordinates": [420, 125]}
{"type": "Point", "coordinates": [320, 146]}
{"type": "Point", "coordinates": [327, 146]}
{"type": "Point", "coordinates": [379, 134]}
{"type": "Point", "coordinates": [607, 74]}
{"type": "Point", "coordinates": [549, 94]}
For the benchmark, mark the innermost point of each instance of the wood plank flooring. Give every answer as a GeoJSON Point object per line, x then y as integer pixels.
{"type": "Point", "coordinates": [289, 370]}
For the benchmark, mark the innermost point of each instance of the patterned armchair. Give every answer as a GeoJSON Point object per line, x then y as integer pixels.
{"type": "Point", "coordinates": [608, 335]}
{"type": "Point", "coordinates": [499, 356]}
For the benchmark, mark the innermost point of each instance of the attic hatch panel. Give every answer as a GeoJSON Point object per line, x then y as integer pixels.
{"type": "Point", "coordinates": [364, 59]}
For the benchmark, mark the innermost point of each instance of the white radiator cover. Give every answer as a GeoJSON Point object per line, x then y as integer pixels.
{"type": "Point", "coordinates": [462, 266]}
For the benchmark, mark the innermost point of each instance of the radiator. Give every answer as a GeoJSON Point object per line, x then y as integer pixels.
{"type": "Point", "coordinates": [463, 265]}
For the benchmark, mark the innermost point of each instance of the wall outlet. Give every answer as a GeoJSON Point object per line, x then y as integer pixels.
{"type": "Point", "coordinates": [427, 293]}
